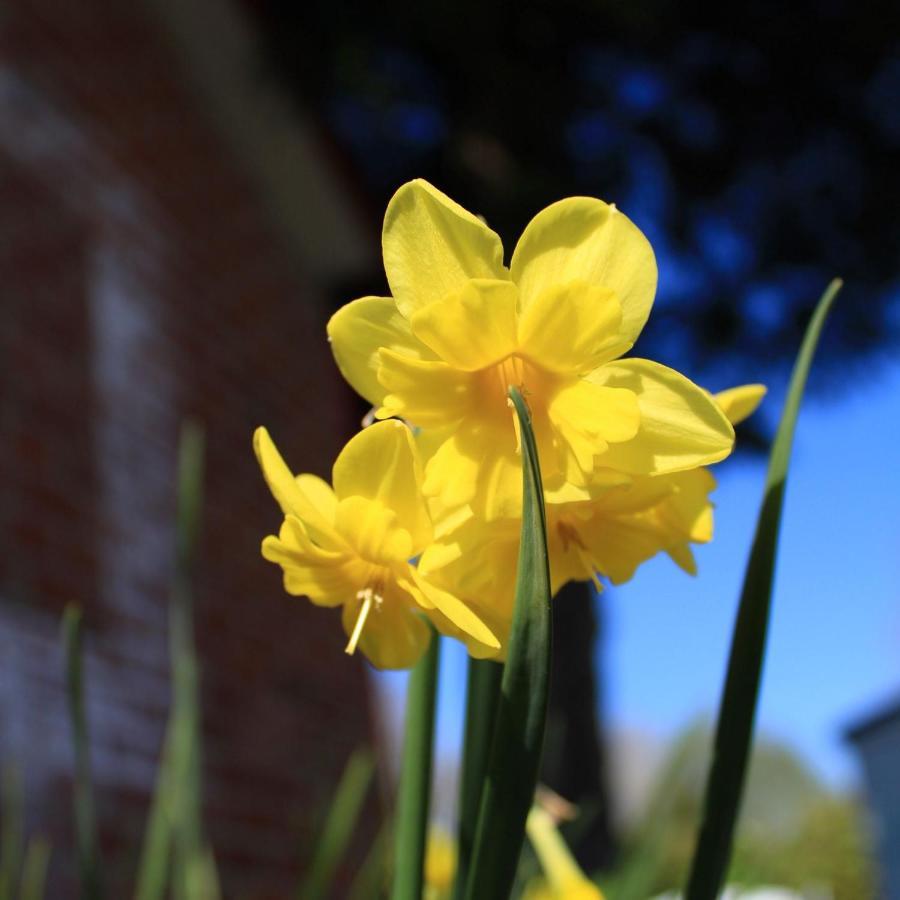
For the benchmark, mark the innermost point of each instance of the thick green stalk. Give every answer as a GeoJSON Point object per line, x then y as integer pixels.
{"type": "Point", "coordinates": [482, 697]}
{"type": "Point", "coordinates": [737, 711]}
{"type": "Point", "coordinates": [415, 778]}
{"type": "Point", "coordinates": [522, 711]}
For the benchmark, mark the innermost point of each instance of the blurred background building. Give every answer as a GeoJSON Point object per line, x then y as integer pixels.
{"type": "Point", "coordinates": [877, 740]}
{"type": "Point", "coordinates": [187, 190]}
{"type": "Point", "coordinates": [169, 231]}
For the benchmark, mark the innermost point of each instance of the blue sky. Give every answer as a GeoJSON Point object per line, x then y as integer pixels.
{"type": "Point", "coordinates": [835, 628]}
{"type": "Point", "coordinates": [834, 644]}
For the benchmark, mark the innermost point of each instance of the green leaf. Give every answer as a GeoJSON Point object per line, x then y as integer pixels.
{"type": "Point", "coordinates": [339, 826]}
{"type": "Point", "coordinates": [482, 697]}
{"type": "Point", "coordinates": [415, 777]}
{"type": "Point", "coordinates": [371, 880]}
{"type": "Point", "coordinates": [174, 843]}
{"type": "Point", "coordinates": [522, 711]}
{"type": "Point", "coordinates": [10, 831]}
{"type": "Point", "coordinates": [189, 856]}
{"type": "Point", "coordinates": [153, 868]}
{"type": "Point", "coordinates": [34, 872]}
{"type": "Point", "coordinates": [85, 821]}
{"type": "Point", "coordinates": [737, 711]}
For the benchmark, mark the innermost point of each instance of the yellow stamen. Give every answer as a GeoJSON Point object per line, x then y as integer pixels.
{"type": "Point", "coordinates": [368, 597]}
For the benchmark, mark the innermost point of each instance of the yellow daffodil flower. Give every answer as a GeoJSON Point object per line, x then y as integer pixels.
{"type": "Point", "coordinates": [440, 864]}
{"type": "Point", "coordinates": [350, 546]}
{"type": "Point", "coordinates": [609, 535]}
{"type": "Point", "coordinates": [461, 328]}
{"type": "Point", "coordinates": [563, 878]}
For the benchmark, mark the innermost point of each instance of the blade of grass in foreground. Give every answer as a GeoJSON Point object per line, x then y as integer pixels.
{"type": "Point", "coordinates": [153, 869]}
{"type": "Point", "coordinates": [174, 843]}
{"type": "Point", "coordinates": [522, 711]}
{"type": "Point", "coordinates": [193, 868]}
{"type": "Point", "coordinates": [85, 824]}
{"type": "Point", "coordinates": [738, 707]}
{"type": "Point", "coordinates": [34, 871]}
{"type": "Point", "coordinates": [372, 878]}
{"type": "Point", "coordinates": [482, 697]}
{"type": "Point", "coordinates": [415, 777]}
{"type": "Point", "coordinates": [10, 831]}
{"type": "Point", "coordinates": [339, 826]}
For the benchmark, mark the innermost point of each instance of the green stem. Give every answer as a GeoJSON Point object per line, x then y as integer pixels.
{"type": "Point", "coordinates": [482, 698]}
{"type": "Point", "coordinates": [415, 777]}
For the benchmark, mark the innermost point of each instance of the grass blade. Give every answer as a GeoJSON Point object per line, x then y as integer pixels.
{"type": "Point", "coordinates": [522, 711]}
{"type": "Point", "coordinates": [174, 843]}
{"type": "Point", "coordinates": [339, 826]}
{"type": "Point", "coordinates": [371, 880]}
{"type": "Point", "coordinates": [482, 697]}
{"type": "Point", "coordinates": [192, 870]}
{"type": "Point", "coordinates": [153, 869]}
{"type": "Point", "coordinates": [85, 820]}
{"type": "Point", "coordinates": [415, 778]}
{"type": "Point", "coordinates": [10, 831]}
{"type": "Point", "coordinates": [737, 711]}
{"type": "Point", "coordinates": [34, 871]}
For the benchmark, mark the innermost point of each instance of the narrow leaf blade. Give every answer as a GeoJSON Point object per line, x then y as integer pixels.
{"type": "Point", "coordinates": [415, 777]}
{"type": "Point", "coordinates": [34, 871]}
{"type": "Point", "coordinates": [522, 711]}
{"type": "Point", "coordinates": [339, 825]}
{"type": "Point", "coordinates": [737, 711]}
{"type": "Point", "coordinates": [11, 802]}
{"type": "Point", "coordinates": [85, 820]}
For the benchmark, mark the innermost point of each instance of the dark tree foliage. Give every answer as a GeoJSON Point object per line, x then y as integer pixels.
{"type": "Point", "coordinates": [756, 145]}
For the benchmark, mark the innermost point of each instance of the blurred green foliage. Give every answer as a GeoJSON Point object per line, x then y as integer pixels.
{"type": "Point", "coordinates": [793, 831]}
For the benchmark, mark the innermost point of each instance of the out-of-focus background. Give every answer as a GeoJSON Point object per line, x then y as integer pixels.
{"type": "Point", "coordinates": [189, 189]}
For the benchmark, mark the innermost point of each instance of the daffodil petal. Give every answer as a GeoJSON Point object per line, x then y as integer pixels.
{"type": "Point", "coordinates": [381, 463]}
{"type": "Point", "coordinates": [432, 246]}
{"type": "Point", "coordinates": [373, 531]}
{"type": "Point", "coordinates": [455, 610]}
{"type": "Point", "coordinates": [590, 416]}
{"type": "Point", "coordinates": [359, 330]}
{"type": "Point", "coordinates": [472, 327]}
{"type": "Point", "coordinates": [319, 492]}
{"type": "Point", "coordinates": [681, 425]}
{"type": "Point", "coordinates": [582, 239]}
{"type": "Point", "coordinates": [424, 392]}
{"type": "Point", "coordinates": [395, 635]}
{"type": "Point", "coordinates": [480, 467]}
{"type": "Point", "coordinates": [290, 496]}
{"type": "Point", "coordinates": [328, 578]}
{"type": "Point", "coordinates": [641, 494]}
{"type": "Point", "coordinates": [739, 403]}
{"type": "Point", "coordinates": [572, 328]}
{"type": "Point", "coordinates": [618, 546]}
{"type": "Point", "coordinates": [688, 511]}
{"type": "Point", "coordinates": [683, 557]}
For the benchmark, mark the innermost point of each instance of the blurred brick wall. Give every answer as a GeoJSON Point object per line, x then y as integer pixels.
{"type": "Point", "coordinates": [139, 283]}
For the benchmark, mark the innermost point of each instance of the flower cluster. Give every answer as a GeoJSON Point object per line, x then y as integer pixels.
{"type": "Point", "coordinates": [623, 443]}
